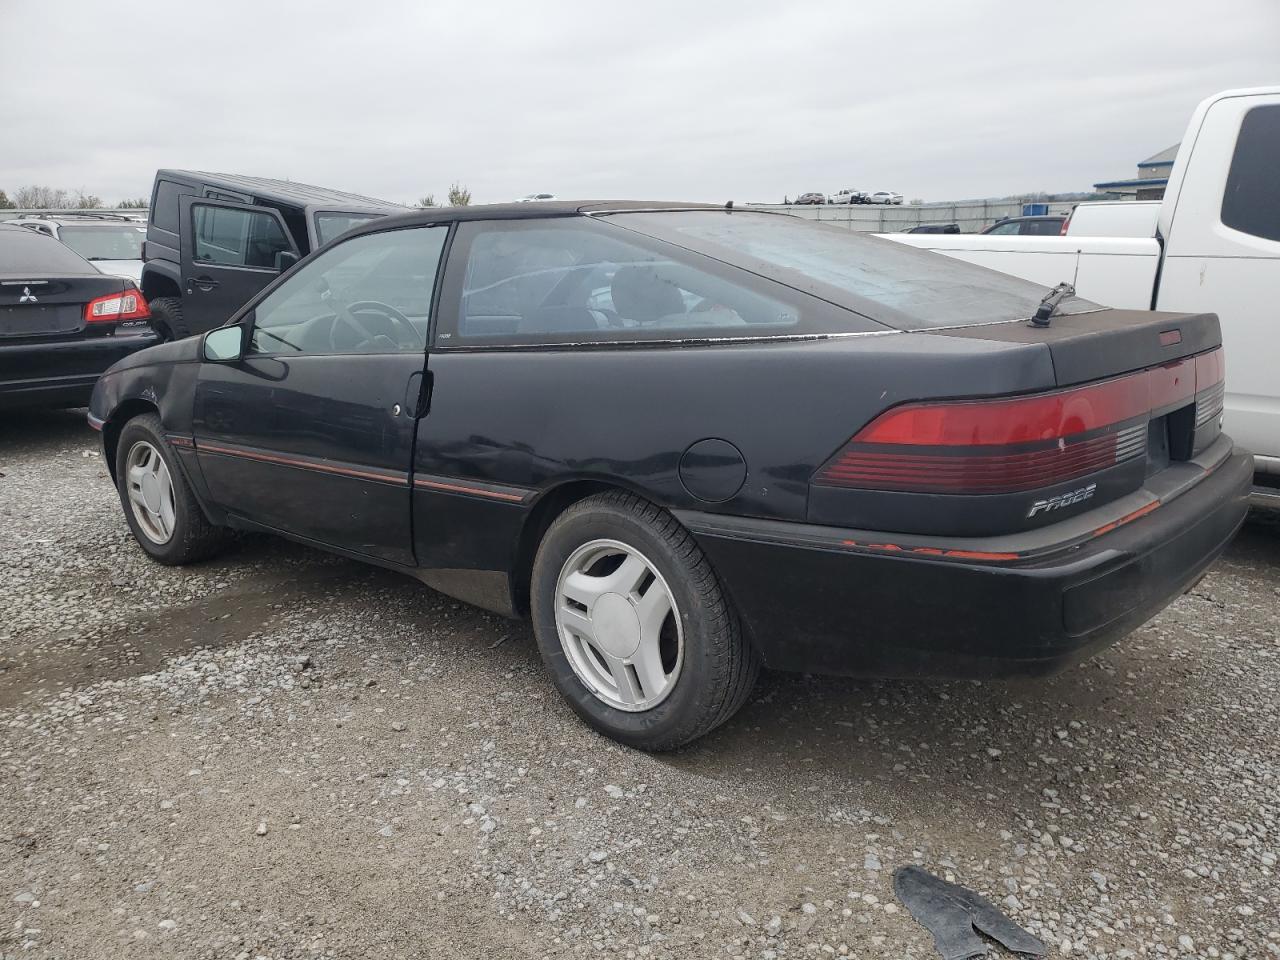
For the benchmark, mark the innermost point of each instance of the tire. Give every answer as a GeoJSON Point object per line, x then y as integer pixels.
{"type": "Point", "coordinates": [166, 318]}
{"type": "Point", "coordinates": [713, 668]}
{"type": "Point", "coordinates": [190, 536]}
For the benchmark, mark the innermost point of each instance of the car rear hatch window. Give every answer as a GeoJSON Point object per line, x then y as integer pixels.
{"type": "Point", "coordinates": [25, 254]}
{"type": "Point", "coordinates": [891, 283]}
{"type": "Point", "coordinates": [105, 241]}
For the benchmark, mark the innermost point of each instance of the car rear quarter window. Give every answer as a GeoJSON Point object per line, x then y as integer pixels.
{"type": "Point", "coordinates": [892, 283]}
{"type": "Point", "coordinates": [1251, 202]}
{"type": "Point", "coordinates": [236, 237]}
{"type": "Point", "coordinates": [330, 225]}
{"type": "Point", "coordinates": [578, 281]}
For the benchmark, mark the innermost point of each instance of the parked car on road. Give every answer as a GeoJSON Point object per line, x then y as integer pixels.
{"type": "Point", "coordinates": [62, 322]}
{"type": "Point", "coordinates": [692, 441]}
{"type": "Point", "coordinates": [215, 239]}
{"type": "Point", "coordinates": [848, 196]}
{"type": "Point", "coordinates": [111, 242]}
{"type": "Point", "coordinates": [934, 228]}
{"type": "Point", "coordinates": [1215, 245]}
{"type": "Point", "coordinates": [884, 196]}
{"type": "Point", "coordinates": [810, 199]}
{"type": "Point", "coordinates": [1027, 227]}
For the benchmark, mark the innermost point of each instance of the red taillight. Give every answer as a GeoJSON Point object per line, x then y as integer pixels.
{"type": "Point", "coordinates": [1022, 443]}
{"type": "Point", "coordinates": [114, 307]}
{"type": "Point", "coordinates": [1066, 223]}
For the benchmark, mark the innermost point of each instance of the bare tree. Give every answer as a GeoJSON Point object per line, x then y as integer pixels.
{"type": "Point", "coordinates": [428, 201]}
{"type": "Point", "coordinates": [459, 196]}
{"type": "Point", "coordinates": [36, 197]}
{"type": "Point", "coordinates": [5, 202]}
{"type": "Point", "coordinates": [138, 203]}
{"type": "Point", "coordinates": [87, 201]}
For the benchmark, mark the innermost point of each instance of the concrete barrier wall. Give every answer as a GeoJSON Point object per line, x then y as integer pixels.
{"type": "Point", "coordinates": [972, 216]}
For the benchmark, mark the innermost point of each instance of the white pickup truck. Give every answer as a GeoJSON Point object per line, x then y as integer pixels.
{"type": "Point", "coordinates": [1216, 248]}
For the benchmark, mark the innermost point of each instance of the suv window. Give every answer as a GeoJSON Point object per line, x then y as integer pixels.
{"type": "Point", "coordinates": [1004, 229]}
{"type": "Point", "coordinates": [164, 205]}
{"type": "Point", "coordinates": [104, 241]}
{"type": "Point", "coordinates": [1251, 202]}
{"type": "Point", "coordinates": [236, 237]}
{"type": "Point", "coordinates": [370, 294]}
{"type": "Point", "coordinates": [553, 282]}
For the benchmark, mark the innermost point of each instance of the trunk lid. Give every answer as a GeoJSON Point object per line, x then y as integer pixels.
{"type": "Point", "coordinates": [1105, 343]}
{"type": "Point", "coordinates": [1137, 394]}
{"type": "Point", "coordinates": [33, 309]}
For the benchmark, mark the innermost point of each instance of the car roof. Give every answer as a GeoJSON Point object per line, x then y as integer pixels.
{"type": "Point", "coordinates": [280, 191]}
{"type": "Point", "coordinates": [523, 211]}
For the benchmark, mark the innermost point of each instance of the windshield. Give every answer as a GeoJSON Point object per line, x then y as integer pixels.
{"type": "Point", "coordinates": [890, 282]}
{"type": "Point", "coordinates": [330, 225]}
{"type": "Point", "coordinates": [105, 241]}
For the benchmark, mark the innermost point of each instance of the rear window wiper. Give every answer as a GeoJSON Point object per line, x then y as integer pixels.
{"type": "Point", "coordinates": [1049, 305]}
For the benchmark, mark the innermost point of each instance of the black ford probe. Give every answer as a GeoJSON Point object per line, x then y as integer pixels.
{"type": "Point", "coordinates": [689, 441]}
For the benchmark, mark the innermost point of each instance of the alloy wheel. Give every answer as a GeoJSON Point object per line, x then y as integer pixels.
{"type": "Point", "coordinates": [619, 625]}
{"type": "Point", "coordinates": [150, 489]}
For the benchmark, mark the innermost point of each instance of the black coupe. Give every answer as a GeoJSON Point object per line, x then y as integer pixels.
{"type": "Point", "coordinates": [689, 441]}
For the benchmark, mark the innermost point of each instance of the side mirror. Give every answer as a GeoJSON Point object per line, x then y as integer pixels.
{"type": "Point", "coordinates": [285, 259]}
{"type": "Point", "coordinates": [224, 345]}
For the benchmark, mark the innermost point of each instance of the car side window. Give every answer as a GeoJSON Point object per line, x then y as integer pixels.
{"type": "Point", "coordinates": [1251, 201]}
{"type": "Point", "coordinates": [369, 294]}
{"type": "Point", "coordinates": [1004, 229]}
{"type": "Point", "coordinates": [235, 237]}
{"type": "Point", "coordinates": [555, 282]}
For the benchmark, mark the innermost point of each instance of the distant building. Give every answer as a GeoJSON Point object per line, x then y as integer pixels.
{"type": "Point", "coordinates": [1152, 178]}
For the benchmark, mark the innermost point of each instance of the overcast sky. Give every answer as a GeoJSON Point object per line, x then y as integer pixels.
{"type": "Point", "coordinates": [688, 100]}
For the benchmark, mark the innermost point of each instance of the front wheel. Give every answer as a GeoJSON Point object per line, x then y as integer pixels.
{"type": "Point", "coordinates": [634, 625]}
{"type": "Point", "coordinates": [159, 505]}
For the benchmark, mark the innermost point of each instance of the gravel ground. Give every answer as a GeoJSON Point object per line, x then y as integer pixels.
{"type": "Point", "coordinates": [282, 754]}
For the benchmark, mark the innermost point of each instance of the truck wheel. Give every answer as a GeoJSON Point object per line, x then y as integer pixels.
{"type": "Point", "coordinates": [159, 506]}
{"type": "Point", "coordinates": [166, 318]}
{"type": "Point", "coordinates": [634, 626]}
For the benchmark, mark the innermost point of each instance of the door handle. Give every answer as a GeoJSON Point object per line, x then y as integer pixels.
{"type": "Point", "coordinates": [205, 283]}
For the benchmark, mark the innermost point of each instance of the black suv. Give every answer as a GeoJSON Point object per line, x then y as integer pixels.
{"type": "Point", "coordinates": [214, 240]}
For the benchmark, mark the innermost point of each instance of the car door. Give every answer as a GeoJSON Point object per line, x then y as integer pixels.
{"type": "Point", "coordinates": [311, 432]}
{"type": "Point", "coordinates": [229, 253]}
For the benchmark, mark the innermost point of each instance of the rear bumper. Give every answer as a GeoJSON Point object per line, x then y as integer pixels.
{"type": "Point", "coordinates": [833, 610]}
{"type": "Point", "coordinates": [62, 373]}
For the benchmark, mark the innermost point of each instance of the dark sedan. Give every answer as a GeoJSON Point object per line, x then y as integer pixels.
{"type": "Point", "coordinates": [811, 199]}
{"type": "Point", "coordinates": [62, 322]}
{"type": "Point", "coordinates": [691, 441]}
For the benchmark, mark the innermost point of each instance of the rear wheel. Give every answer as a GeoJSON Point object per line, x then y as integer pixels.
{"type": "Point", "coordinates": [159, 505]}
{"type": "Point", "coordinates": [166, 318]}
{"type": "Point", "coordinates": [634, 626]}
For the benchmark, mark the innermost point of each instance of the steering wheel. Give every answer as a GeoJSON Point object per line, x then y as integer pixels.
{"type": "Point", "coordinates": [348, 313]}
